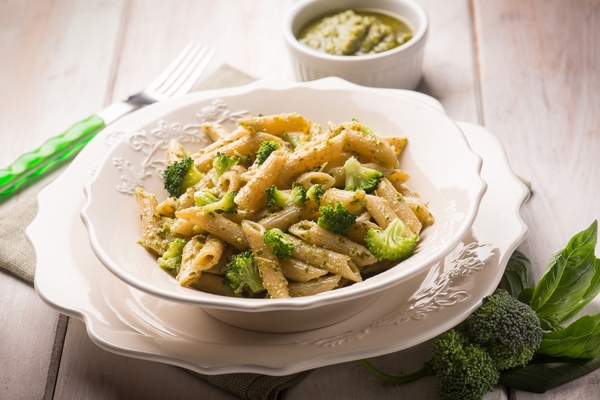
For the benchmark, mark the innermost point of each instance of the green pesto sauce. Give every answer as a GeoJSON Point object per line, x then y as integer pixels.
{"type": "Point", "coordinates": [355, 33]}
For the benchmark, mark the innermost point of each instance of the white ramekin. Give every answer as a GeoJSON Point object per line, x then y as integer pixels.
{"type": "Point", "coordinates": [397, 68]}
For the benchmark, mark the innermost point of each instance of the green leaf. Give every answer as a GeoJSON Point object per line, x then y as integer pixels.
{"type": "Point", "coordinates": [570, 278]}
{"type": "Point", "coordinates": [518, 273]}
{"type": "Point", "coordinates": [525, 296]}
{"type": "Point", "coordinates": [581, 339]}
{"type": "Point", "coordinates": [540, 377]}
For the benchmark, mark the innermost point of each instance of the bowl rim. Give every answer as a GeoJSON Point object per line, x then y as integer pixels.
{"type": "Point", "coordinates": [408, 48]}
{"type": "Point", "coordinates": [298, 303]}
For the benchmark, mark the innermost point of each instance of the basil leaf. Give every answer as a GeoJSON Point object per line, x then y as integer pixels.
{"type": "Point", "coordinates": [540, 377]}
{"type": "Point", "coordinates": [525, 296]}
{"type": "Point", "coordinates": [567, 284]}
{"type": "Point", "coordinates": [518, 273]}
{"type": "Point", "coordinates": [581, 339]}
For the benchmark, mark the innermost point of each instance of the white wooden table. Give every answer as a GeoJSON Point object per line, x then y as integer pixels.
{"type": "Point", "coordinates": [528, 70]}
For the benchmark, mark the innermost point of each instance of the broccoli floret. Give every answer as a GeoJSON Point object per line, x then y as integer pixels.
{"type": "Point", "coordinates": [180, 176]}
{"type": "Point", "coordinates": [463, 370]}
{"type": "Point", "coordinates": [278, 198]}
{"type": "Point", "coordinates": [359, 177]}
{"type": "Point", "coordinates": [390, 244]}
{"type": "Point", "coordinates": [204, 197]}
{"type": "Point", "coordinates": [242, 274]}
{"type": "Point", "coordinates": [507, 328]}
{"type": "Point", "coordinates": [293, 140]}
{"type": "Point", "coordinates": [336, 218]}
{"type": "Point", "coordinates": [222, 163]}
{"type": "Point", "coordinates": [315, 192]}
{"type": "Point", "coordinates": [171, 259]}
{"type": "Point", "coordinates": [265, 149]}
{"type": "Point", "coordinates": [226, 204]}
{"type": "Point", "coordinates": [280, 243]}
{"type": "Point", "coordinates": [503, 333]}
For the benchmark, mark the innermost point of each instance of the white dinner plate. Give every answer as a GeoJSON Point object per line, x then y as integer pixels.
{"type": "Point", "coordinates": [126, 321]}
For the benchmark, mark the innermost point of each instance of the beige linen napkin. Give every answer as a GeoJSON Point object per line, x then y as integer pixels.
{"type": "Point", "coordinates": [17, 257]}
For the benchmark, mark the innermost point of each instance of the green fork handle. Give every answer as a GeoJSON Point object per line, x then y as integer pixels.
{"type": "Point", "coordinates": [35, 162]}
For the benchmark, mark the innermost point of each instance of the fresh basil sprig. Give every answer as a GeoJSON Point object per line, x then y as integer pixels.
{"type": "Point", "coordinates": [571, 280]}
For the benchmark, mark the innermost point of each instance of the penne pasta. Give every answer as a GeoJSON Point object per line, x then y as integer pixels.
{"type": "Point", "coordinates": [388, 192]}
{"type": "Point", "coordinates": [320, 285]}
{"type": "Point", "coordinates": [315, 234]}
{"type": "Point", "coordinates": [216, 224]}
{"type": "Point", "coordinates": [225, 214]}
{"type": "Point", "coordinates": [276, 124]}
{"type": "Point", "coordinates": [254, 191]}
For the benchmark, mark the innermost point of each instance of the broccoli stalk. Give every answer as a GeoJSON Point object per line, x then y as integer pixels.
{"type": "Point", "coordinates": [293, 140]}
{"type": "Point", "coordinates": [278, 198]}
{"type": "Point", "coordinates": [467, 360]}
{"type": "Point", "coordinates": [223, 163]}
{"type": "Point", "coordinates": [204, 197]}
{"type": "Point", "coordinates": [171, 259]}
{"type": "Point", "coordinates": [336, 218]}
{"type": "Point", "coordinates": [264, 151]}
{"type": "Point", "coordinates": [391, 244]}
{"type": "Point", "coordinates": [359, 177]}
{"type": "Point", "coordinates": [225, 204]}
{"type": "Point", "coordinates": [241, 274]}
{"type": "Point", "coordinates": [280, 243]}
{"type": "Point", "coordinates": [180, 176]}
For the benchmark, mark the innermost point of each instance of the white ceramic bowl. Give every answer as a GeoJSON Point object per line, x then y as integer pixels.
{"type": "Point", "coordinates": [397, 68]}
{"type": "Point", "coordinates": [443, 168]}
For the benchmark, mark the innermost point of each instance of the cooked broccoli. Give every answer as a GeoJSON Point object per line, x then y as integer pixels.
{"type": "Point", "coordinates": [265, 149]}
{"type": "Point", "coordinates": [293, 140]}
{"type": "Point", "coordinates": [171, 259]}
{"type": "Point", "coordinates": [467, 360]}
{"type": "Point", "coordinates": [204, 197]}
{"type": "Point", "coordinates": [278, 198]}
{"type": "Point", "coordinates": [180, 176]}
{"type": "Point", "coordinates": [280, 243]}
{"type": "Point", "coordinates": [359, 177]}
{"type": "Point", "coordinates": [390, 244]}
{"type": "Point", "coordinates": [222, 163]}
{"type": "Point", "coordinates": [362, 127]}
{"type": "Point", "coordinates": [336, 218]}
{"type": "Point", "coordinates": [242, 274]}
{"type": "Point", "coordinates": [226, 204]}
{"type": "Point", "coordinates": [509, 329]}
{"type": "Point", "coordinates": [315, 192]}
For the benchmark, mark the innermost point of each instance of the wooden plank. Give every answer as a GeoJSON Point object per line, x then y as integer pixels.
{"type": "Point", "coordinates": [89, 372]}
{"type": "Point", "coordinates": [56, 62]}
{"type": "Point", "coordinates": [540, 74]}
{"type": "Point", "coordinates": [449, 72]}
{"type": "Point", "coordinates": [246, 35]}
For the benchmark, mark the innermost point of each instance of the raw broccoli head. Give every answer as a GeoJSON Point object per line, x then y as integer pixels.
{"type": "Point", "coordinates": [278, 198]}
{"type": "Point", "coordinates": [390, 244]}
{"type": "Point", "coordinates": [180, 176]}
{"type": "Point", "coordinates": [171, 259]}
{"type": "Point", "coordinates": [226, 204]}
{"type": "Point", "coordinates": [463, 370]}
{"type": "Point", "coordinates": [222, 163]}
{"type": "Point", "coordinates": [359, 177]}
{"type": "Point", "coordinates": [204, 197]}
{"type": "Point", "coordinates": [293, 140]}
{"type": "Point", "coordinates": [280, 243]}
{"type": "Point", "coordinates": [336, 218]}
{"type": "Point", "coordinates": [315, 192]}
{"type": "Point", "coordinates": [507, 328]}
{"type": "Point", "coordinates": [265, 149]}
{"type": "Point", "coordinates": [242, 273]}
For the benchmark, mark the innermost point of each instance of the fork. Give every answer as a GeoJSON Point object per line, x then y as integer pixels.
{"type": "Point", "coordinates": [177, 79]}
